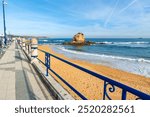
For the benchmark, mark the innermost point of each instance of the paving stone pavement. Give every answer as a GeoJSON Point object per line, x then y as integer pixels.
{"type": "Point", "coordinates": [18, 79]}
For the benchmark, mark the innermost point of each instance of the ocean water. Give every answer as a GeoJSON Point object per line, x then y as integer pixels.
{"type": "Point", "coordinates": [131, 55]}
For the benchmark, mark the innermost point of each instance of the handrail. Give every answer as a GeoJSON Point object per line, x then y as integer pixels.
{"type": "Point", "coordinates": [107, 81]}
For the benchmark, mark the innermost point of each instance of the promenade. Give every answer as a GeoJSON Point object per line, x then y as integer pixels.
{"type": "Point", "coordinates": [18, 79]}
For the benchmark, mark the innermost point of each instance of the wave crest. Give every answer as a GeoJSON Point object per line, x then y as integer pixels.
{"type": "Point", "coordinates": [104, 56]}
{"type": "Point", "coordinates": [123, 43]}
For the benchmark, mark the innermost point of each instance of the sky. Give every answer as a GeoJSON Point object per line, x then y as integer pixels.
{"type": "Point", "coordinates": [65, 18]}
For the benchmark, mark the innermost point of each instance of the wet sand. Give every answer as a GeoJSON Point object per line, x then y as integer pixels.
{"type": "Point", "coordinates": [92, 87]}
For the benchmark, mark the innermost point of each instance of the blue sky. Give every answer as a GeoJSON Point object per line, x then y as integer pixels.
{"type": "Point", "coordinates": [64, 18]}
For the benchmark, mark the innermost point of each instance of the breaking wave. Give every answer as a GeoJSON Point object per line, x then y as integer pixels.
{"type": "Point", "coordinates": [104, 56]}
{"type": "Point", "coordinates": [124, 43]}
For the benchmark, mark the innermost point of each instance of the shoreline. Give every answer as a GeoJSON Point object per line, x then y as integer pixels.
{"type": "Point", "coordinates": [90, 86]}
{"type": "Point", "coordinates": [139, 66]}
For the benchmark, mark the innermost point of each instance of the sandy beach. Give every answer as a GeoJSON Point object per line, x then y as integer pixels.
{"type": "Point", "coordinates": [92, 87]}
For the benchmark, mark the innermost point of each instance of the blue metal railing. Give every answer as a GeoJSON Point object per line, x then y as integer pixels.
{"type": "Point", "coordinates": [107, 81]}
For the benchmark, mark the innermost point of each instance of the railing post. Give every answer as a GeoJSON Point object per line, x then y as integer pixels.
{"type": "Point", "coordinates": [23, 44]}
{"type": "Point", "coordinates": [47, 62]}
{"type": "Point", "coordinates": [104, 92]}
{"type": "Point", "coordinates": [124, 94]}
{"type": "Point", "coordinates": [20, 42]}
{"type": "Point", "coordinates": [28, 48]}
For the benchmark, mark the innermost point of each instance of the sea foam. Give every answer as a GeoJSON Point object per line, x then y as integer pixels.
{"type": "Point", "coordinates": [103, 55]}
{"type": "Point", "coordinates": [138, 66]}
{"type": "Point", "coordinates": [124, 43]}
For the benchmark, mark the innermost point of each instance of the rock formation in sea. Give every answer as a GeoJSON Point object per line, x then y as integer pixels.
{"type": "Point", "coordinates": [79, 39]}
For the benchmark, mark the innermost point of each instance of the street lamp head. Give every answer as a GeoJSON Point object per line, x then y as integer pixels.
{"type": "Point", "coordinates": [5, 3]}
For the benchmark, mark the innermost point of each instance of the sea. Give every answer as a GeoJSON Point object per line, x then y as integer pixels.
{"type": "Point", "coordinates": [127, 54]}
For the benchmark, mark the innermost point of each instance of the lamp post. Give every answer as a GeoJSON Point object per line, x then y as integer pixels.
{"type": "Point", "coordinates": [5, 35]}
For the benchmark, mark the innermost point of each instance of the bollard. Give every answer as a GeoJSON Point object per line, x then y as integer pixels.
{"type": "Point", "coordinates": [13, 39]}
{"type": "Point", "coordinates": [19, 41]}
{"type": "Point", "coordinates": [28, 46]}
{"type": "Point", "coordinates": [23, 44]}
{"type": "Point", "coordinates": [34, 51]}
